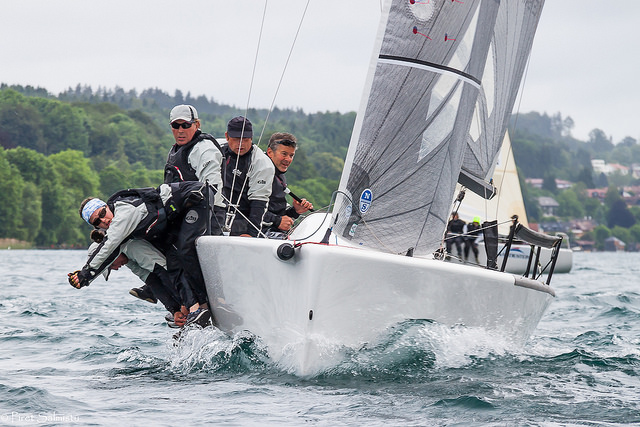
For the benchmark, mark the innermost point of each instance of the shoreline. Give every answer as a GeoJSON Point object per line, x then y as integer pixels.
{"type": "Point", "coordinates": [14, 244]}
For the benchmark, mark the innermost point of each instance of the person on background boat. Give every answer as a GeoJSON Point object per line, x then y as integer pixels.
{"type": "Point", "coordinates": [149, 264]}
{"type": "Point", "coordinates": [248, 177]}
{"type": "Point", "coordinates": [279, 217]}
{"type": "Point", "coordinates": [455, 231]}
{"type": "Point", "coordinates": [471, 233]}
{"type": "Point", "coordinates": [174, 213]}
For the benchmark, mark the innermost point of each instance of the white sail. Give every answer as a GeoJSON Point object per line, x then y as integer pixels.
{"type": "Point", "coordinates": [442, 83]}
{"type": "Point", "coordinates": [506, 60]}
{"type": "Point", "coordinates": [508, 198]}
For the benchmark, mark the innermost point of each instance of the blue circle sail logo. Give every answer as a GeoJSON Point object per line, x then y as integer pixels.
{"type": "Point", "coordinates": [365, 200]}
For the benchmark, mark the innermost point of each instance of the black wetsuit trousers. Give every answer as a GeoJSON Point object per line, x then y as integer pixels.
{"type": "Point", "coordinates": [162, 287]}
{"type": "Point", "coordinates": [182, 259]}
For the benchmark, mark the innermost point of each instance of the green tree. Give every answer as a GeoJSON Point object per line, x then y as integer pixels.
{"type": "Point", "coordinates": [622, 233]}
{"type": "Point", "coordinates": [30, 163]}
{"type": "Point", "coordinates": [79, 181]}
{"type": "Point", "coordinates": [619, 215]}
{"type": "Point", "coordinates": [594, 209]}
{"type": "Point", "coordinates": [601, 233]}
{"type": "Point", "coordinates": [20, 123]}
{"type": "Point", "coordinates": [328, 165]}
{"type": "Point", "coordinates": [141, 177]}
{"type": "Point", "coordinates": [599, 141]}
{"type": "Point", "coordinates": [11, 190]}
{"type": "Point", "coordinates": [586, 176]}
{"type": "Point", "coordinates": [549, 183]}
{"type": "Point", "coordinates": [317, 191]}
{"type": "Point", "coordinates": [635, 232]}
{"type": "Point", "coordinates": [112, 179]}
{"type": "Point", "coordinates": [30, 213]}
{"type": "Point", "coordinates": [570, 206]}
{"type": "Point", "coordinates": [76, 173]}
{"type": "Point", "coordinates": [64, 127]}
{"type": "Point", "coordinates": [57, 208]}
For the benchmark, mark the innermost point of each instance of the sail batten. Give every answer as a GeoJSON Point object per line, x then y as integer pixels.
{"type": "Point", "coordinates": [429, 66]}
{"type": "Point", "coordinates": [434, 109]}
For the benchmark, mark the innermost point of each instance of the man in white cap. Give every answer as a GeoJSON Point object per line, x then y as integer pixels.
{"type": "Point", "coordinates": [196, 156]}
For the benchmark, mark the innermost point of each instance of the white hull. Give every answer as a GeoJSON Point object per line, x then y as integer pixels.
{"type": "Point", "coordinates": [327, 297]}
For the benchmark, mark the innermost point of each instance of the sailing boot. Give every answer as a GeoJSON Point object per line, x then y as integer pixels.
{"type": "Point", "coordinates": [144, 293]}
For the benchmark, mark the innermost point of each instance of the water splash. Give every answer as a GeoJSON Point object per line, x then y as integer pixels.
{"type": "Point", "coordinates": [211, 350]}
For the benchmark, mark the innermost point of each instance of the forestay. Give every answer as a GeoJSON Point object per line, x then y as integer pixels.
{"type": "Point", "coordinates": [441, 85]}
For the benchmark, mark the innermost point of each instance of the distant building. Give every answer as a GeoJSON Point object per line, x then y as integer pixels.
{"type": "Point", "coordinates": [597, 193]}
{"type": "Point", "coordinates": [580, 226]}
{"type": "Point", "coordinates": [600, 166]}
{"type": "Point", "coordinates": [561, 184]}
{"type": "Point", "coordinates": [583, 245]}
{"type": "Point", "coordinates": [613, 244]}
{"type": "Point", "coordinates": [622, 170]}
{"type": "Point", "coordinates": [548, 205]}
{"type": "Point", "coordinates": [631, 195]}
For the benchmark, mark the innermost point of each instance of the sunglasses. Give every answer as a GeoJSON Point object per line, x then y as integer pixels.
{"type": "Point", "coordinates": [96, 222]}
{"type": "Point", "coordinates": [184, 125]}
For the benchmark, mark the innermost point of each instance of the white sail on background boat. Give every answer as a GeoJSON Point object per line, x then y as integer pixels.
{"type": "Point", "coordinates": [441, 85]}
{"type": "Point", "coordinates": [507, 202]}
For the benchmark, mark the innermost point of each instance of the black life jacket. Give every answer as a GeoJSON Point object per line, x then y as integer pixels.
{"type": "Point", "coordinates": [154, 225]}
{"type": "Point", "coordinates": [240, 172]}
{"type": "Point", "coordinates": [278, 200]}
{"type": "Point", "coordinates": [178, 168]}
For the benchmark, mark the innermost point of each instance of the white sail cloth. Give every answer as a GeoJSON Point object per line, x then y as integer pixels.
{"type": "Point", "coordinates": [442, 84]}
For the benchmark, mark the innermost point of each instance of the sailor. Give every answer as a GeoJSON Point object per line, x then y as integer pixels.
{"type": "Point", "coordinates": [280, 217]}
{"type": "Point", "coordinates": [472, 231]}
{"type": "Point", "coordinates": [248, 177]}
{"type": "Point", "coordinates": [196, 156]}
{"type": "Point", "coordinates": [175, 213]}
{"type": "Point", "coordinates": [455, 231]}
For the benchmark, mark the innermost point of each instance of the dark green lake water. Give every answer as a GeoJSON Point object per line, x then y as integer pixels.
{"type": "Point", "coordinates": [98, 356]}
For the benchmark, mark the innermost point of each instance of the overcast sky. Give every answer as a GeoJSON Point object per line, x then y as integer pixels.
{"type": "Point", "coordinates": [584, 62]}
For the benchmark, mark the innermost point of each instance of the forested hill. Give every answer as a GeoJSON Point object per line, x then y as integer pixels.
{"type": "Point", "coordinates": [58, 149]}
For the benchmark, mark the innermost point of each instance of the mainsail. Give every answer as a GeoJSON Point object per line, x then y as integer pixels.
{"type": "Point", "coordinates": [440, 88]}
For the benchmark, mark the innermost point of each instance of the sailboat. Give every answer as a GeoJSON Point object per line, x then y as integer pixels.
{"type": "Point", "coordinates": [440, 87]}
{"type": "Point", "coordinates": [506, 203]}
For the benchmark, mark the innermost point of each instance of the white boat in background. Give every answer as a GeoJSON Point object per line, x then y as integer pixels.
{"type": "Point", "coordinates": [506, 203]}
{"type": "Point", "coordinates": [442, 82]}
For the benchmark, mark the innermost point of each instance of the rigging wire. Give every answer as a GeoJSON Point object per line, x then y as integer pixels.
{"type": "Point", "coordinates": [295, 38]}
{"type": "Point", "coordinates": [255, 62]}
{"type": "Point", "coordinates": [515, 125]}
{"type": "Point", "coordinates": [230, 216]}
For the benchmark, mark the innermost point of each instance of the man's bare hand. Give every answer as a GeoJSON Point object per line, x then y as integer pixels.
{"type": "Point", "coordinates": [302, 206]}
